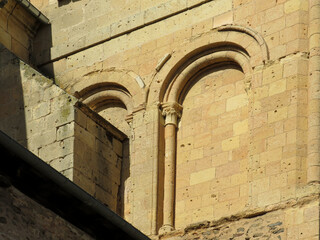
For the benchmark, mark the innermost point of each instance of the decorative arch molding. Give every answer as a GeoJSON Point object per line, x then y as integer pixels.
{"type": "Point", "coordinates": [99, 81]}
{"type": "Point", "coordinates": [228, 46]}
{"type": "Point", "coordinates": [251, 33]}
{"type": "Point", "coordinates": [221, 56]}
{"type": "Point", "coordinates": [98, 99]}
{"type": "Point", "coordinates": [228, 43]}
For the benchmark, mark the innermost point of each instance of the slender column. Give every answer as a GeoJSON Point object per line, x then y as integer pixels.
{"type": "Point", "coordinates": [171, 112]}
{"type": "Point", "coordinates": [313, 162]}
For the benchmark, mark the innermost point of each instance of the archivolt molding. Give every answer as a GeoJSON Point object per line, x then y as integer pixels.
{"type": "Point", "coordinates": [110, 79]}
{"type": "Point", "coordinates": [227, 44]}
{"type": "Point", "coordinates": [264, 52]}
{"type": "Point", "coordinates": [103, 97]}
{"type": "Point", "coordinates": [176, 86]}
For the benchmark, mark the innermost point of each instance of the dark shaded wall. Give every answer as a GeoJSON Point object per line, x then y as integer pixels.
{"type": "Point", "coordinates": [23, 218]}
{"type": "Point", "coordinates": [12, 112]}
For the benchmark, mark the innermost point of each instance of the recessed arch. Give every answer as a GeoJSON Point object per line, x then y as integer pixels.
{"type": "Point", "coordinates": [97, 95]}
{"type": "Point", "coordinates": [238, 44]}
{"type": "Point", "coordinates": [235, 50]}
{"type": "Point", "coordinates": [171, 93]}
{"type": "Point", "coordinates": [107, 79]}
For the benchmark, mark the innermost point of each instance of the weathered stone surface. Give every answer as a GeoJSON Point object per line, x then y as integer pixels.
{"type": "Point", "coordinates": [245, 75]}
{"type": "Point", "coordinates": [23, 218]}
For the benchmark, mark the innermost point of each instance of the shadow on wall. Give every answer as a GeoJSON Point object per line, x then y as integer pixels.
{"type": "Point", "coordinates": [41, 51]}
{"type": "Point", "coordinates": [66, 2]}
{"type": "Point", "coordinates": [12, 114]}
{"type": "Point", "coordinates": [124, 176]}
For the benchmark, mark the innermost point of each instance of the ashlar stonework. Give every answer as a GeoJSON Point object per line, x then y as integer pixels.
{"type": "Point", "coordinates": [191, 119]}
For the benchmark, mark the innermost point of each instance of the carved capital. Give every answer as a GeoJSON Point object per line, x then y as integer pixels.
{"type": "Point", "coordinates": [171, 111]}
{"type": "Point", "coordinates": [165, 229]}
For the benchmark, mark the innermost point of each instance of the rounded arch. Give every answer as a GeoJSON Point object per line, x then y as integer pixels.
{"type": "Point", "coordinates": [97, 99]}
{"type": "Point", "coordinates": [172, 92]}
{"type": "Point", "coordinates": [104, 80]}
{"type": "Point", "coordinates": [230, 43]}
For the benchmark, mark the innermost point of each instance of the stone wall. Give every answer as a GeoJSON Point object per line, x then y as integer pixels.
{"type": "Point", "coordinates": [219, 99]}
{"type": "Point", "coordinates": [212, 147]}
{"type": "Point", "coordinates": [23, 218]}
{"type": "Point", "coordinates": [78, 25]}
{"type": "Point", "coordinates": [46, 120]}
{"type": "Point", "coordinates": [299, 220]}
{"type": "Point", "coordinates": [17, 29]}
{"type": "Point", "coordinates": [99, 152]}
{"type": "Point", "coordinates": [242, 136]}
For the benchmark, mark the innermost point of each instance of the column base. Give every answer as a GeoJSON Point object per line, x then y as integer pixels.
{"type": "Point", "coordinates": [165, 229]}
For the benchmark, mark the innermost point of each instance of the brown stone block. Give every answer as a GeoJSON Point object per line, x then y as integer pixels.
{"type": "Point", "coordinates": [278, 181]}
{"type": "Point", "coordinates": [263, 132]}
{"type": "Point", "coordinates": [239, 3]}
{"type": "Point", "coordinates": [201, 27]}
{"type": "Point", "coordinates": [273, 168]}
{"type": "Point", "coordinates": [199, 189]}
{"type": "Point", "coordinates": [275, 102]}
{"type": "Point", "coordinates": [228, 169]}
{"type": "Point", "coordinates": [289, 164]}
{"type": "Point", "coordinates": [276, 141]}
{"type": "Point", "coordinates": [202, 140]}
{"type": "Point", "coordinates": [228, 194]}
{"type": "Point", "coordinates": [243, 11]}
{"type": "Point", "coordinates": [221, 133]}
{"type": "Point", "coordinates": [225, 92]}
{"type": "Point", "coordinates": [257, 146]}
{"type": "Point", "coordinates": [298, 45]}
{"type": "Point", "coordinates": [298, 31]}
{"type": "Point", "coordinates": [295, 67]}
{"type": "Point", "coordinates": [288, 192]}
{"type": "Point", "coordinates": [278, 52]}
{"type": "Point", "coordinates": [239, 179]}
{"type": "Point", "coordinates": [274, 26]}
{"type": "Point", "coordinates": [240, 153]}
{"type": "Point", "coordinates": [223, 19]}
{"type": "Point", "coordinates": [18, 49]}
{"type": "Point", "coordinates": [274, 12]}
{"type": "Point", "coordinates": [277, 114]}
{"type": "Point", "coordinates": [186, 169]}
{"type": "Point", "coordinates": [273, 40]}
{"type": "Point", "coordinates": [220, 159]}
{"type": "Point", "coordinates": [270, 197]}
{"type": "Point", "coordinates": [295, 5]}
{"type": "Point", "coordinates": [272, 156]}
{"type": "Point", "coordinates": [5, 38]}
{"type": "Point", "coordinates": [308, 230]}
{"type": "Point", "coordinates": [228, 118]}
{"type": "Point", "coordinates": [260, 185]}
{"type": "Point", "coordinates": [259, 120]}
{"type": "Point", "coordinates": [311, 213]}
{"type": "Point", "coordinates": [272, 73]}
{"type": "Point", "coordinates": [296, 17]}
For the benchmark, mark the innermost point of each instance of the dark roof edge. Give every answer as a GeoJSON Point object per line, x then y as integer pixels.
{"type": "Point", "coordinates": [61, 182]}
{"type": "Point", "coordinates": [34, 11]}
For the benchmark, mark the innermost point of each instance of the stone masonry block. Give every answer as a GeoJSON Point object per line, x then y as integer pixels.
{"type": "Point", "coordinates": [230, 143]}
{"type": "Point", "coordinates": [294, 5]}
{"type": "Point", "coordinates": [65, 131]}
{"type": "Point", "coordinates": [278, 114]}
{"type": "Point", "coordinates": [62, 164]}
{"type": "Point", "coordinates": [202, 176]}
{"type": "Point", "coordinates": [240, 127]}
{"type": "Point", "coordinates": [41, 110]}
{"type": "Point", "coordinates": [117, 146]}
{"type": "Point", "coordinates": [236, 102]}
